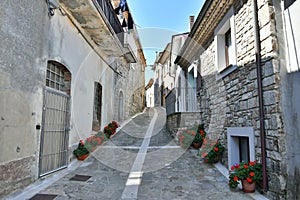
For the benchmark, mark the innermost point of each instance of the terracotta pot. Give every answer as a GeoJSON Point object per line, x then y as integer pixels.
{"type": "Point", "coordinates": [196, 145]}
{"type": "Point", "coordinates": [82, 157]}
{"type": "Point", "coordinates": [248, 187]}
{"type": "Point", "coordinates": [94, 148]}
{"type": "Point", "coordinates": [217, 159]}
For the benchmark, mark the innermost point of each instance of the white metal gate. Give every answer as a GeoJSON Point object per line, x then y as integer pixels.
{"type": "Point", "coordinates": [55, 132]}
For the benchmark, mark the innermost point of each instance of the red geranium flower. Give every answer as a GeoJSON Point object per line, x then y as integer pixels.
{"type": "Point", "coordinates": [246, 166]}
{"type": "Point", "coordinates": [216, 149]}
{"type": "Point", "coordinates": [201, 132]}
{"type": "Point", "coordinates": [235, 178]}
{"type": "Point", "coordinates": [249, 180]}
{"type": "Point", "coordinates": [251, 163]}
{"type": "Point", "coordinates": [252, 174]}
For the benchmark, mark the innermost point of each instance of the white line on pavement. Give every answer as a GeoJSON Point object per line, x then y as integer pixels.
{"type": "Point", "coordinates": [135, 176]}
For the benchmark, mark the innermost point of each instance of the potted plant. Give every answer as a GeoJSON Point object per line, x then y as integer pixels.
{"type": "Point", "coordinates": [199, 137]}
{"type": "Point", "coordinates": [246, 173]}
{"type": "Point", "coordinates": [186, 137]}
{"type": "Point", "coordinates": [214, 154]}
{"type": "Point", "coordinates": [110, 129]}
{"type": "Point", "coordinates": [91, 143]}
{"type": "Point", "coordinates": [81, 152]}
{"type": "Point", "coordinates": [101, 137]}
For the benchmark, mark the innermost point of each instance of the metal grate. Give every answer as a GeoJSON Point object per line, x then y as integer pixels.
{"type": "Point", "coordinates": [80, 178]}
{"type": "Point", "coordinates": [43, 197]}
{"type": "Point", "coordinates": [55, 76]}
{"type": "Point", "coordinates": [55, 134]}
{"type": "Point", "coordinates": [97, 102]}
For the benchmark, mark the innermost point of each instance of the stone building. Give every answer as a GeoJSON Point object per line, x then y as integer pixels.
{"type": "Point", "coordinates": [67, 68]}
{"type": "Point", "coordinates": [247, 56]}
{"type": "Point", "coordinates": [164, 75]}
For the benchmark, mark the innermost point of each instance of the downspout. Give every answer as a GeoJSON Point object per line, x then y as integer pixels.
{"type": "Point", "coordinates": [186, 90]}
{"type": "Point", "coordinates": [260, 95]}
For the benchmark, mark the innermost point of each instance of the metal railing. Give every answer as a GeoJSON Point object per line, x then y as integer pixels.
{"type": "Point", "coordinates": [171, 102]}
{"type": "Point", "coordinates": [110, 15]}
{"type": "Point", "coordinates": [190, 101]}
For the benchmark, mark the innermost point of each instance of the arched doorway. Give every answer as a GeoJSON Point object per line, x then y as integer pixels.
{"type": "Point", "coordinates": [56, 117]}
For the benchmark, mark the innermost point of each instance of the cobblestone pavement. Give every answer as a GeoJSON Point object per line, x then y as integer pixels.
{"type": "Point", "coordinates": [134, 165]}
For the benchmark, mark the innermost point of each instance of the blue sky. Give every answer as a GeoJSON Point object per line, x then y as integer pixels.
{"type": "Point", "coordinates": [158, 20]}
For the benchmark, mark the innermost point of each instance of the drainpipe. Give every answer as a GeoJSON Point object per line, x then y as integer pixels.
{"type": "Point", "coordinates": [260, 94]}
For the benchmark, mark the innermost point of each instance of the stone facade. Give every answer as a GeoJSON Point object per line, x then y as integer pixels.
{"type": "Point", "coordinates": [233, 99]}
{"type": "Point", "coordinates": [179, 120]}
{"type": "Point", "coordinates": [229, 98]}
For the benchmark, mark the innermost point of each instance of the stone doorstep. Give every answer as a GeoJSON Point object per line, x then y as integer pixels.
{"type": "Point", "coordinates": [256, 195]}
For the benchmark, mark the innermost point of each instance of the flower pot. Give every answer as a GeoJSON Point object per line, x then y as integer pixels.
{"type": "Point", "coordinates": [82, 157]}
{"type": "Point", "coordinates": [197, 145]}
{"type": "Point", "coordinates": [94, 148]}
{"type": "Point", "coordinates": [217, 159]}
{"type": "Point", "coordinates": [248, 187]}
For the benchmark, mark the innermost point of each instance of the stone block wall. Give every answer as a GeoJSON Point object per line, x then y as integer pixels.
{"type": "Point", "coordinates": [132, 84]}
{"type": "Point", "coordinates": [232, 100]}
{"type": "Point", "coordinates": [178, 120]}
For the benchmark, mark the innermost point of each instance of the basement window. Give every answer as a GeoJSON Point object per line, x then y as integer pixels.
{"type": "Point", "coordinates": [241, 145]}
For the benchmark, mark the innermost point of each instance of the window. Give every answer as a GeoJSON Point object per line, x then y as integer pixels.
{"type": "Point", "coordinates": [241, 145]}
{"type": "Point", "coordinates": [225, 42]}
{"type": "Point", "coordinates": [244, 149]}
{"type": "Point", "coordinates": [287, 3]}
{"type": "Point", "coordinates": [58, 77]}
{"type": "Point", "coordinates": [97, 106]}
{"type": "Point", "coordinates": [228, 48]}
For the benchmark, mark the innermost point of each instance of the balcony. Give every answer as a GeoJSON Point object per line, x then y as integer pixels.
{"type": "Point", "coordinates": [98, 23]}
{"type": "Point", "coordinates": [130, 47]}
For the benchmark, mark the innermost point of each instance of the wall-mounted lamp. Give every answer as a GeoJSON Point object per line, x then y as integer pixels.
{"type": "Point", "coordinates": [52, 5]}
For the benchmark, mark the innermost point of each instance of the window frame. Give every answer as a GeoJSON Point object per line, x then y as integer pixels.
{"type": "Point", "coordinates": [222, 56]}
{"type": "Point", "coordinates": [97, 105]}
{"type": "Point", "coordinates": [58, 77]}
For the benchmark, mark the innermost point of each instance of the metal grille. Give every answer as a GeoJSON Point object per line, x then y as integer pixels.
{"type": "Point", "coordinates": [171, 102]}
{"type": "Point", "coordinates": [110, 15]}
{"type": "Point", "coordinates": [55, 76]}
{"type": "Point", "coordinates": [98, 102]}
{"type": "Point", "coordinates": [55, 136]}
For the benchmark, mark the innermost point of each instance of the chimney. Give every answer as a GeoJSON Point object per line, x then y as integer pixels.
{"type": "Point", "coordinates": [191, 22]}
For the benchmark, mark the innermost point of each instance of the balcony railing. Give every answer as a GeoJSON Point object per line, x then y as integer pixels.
{"type": "Point", "coordinates": [110, 15]}
{"type": "Point", "coordinates": [190, 100]}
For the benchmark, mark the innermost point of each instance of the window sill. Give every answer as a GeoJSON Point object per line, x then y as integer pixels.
{"type": "Point", "coordinates": [226, 71]}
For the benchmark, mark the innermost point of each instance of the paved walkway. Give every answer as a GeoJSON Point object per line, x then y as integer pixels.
{"type": "Point", "coordinates": [140, 162]}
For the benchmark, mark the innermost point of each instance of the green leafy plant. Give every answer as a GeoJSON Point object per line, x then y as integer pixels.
{"type": "Point", "coordinates": [81, 149]}
{"type": "Point", "coordinates": [92, 140]}
{"type": "Point", "coordinates": [250, 172]}
{"type": "Point", "coordinates": [110, 129]}
{"type": "Point", "coordinates": [186, 137]}
{"type": "Point", "coordinates": [101, 137]}
{"type": "Point", "coordinates": [200, 134]}
{"type": "Point", "coordinates": [214, 154]}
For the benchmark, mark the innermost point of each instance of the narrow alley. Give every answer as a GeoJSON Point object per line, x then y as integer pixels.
{"type": "Point", "coordinates": [141, 161]}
